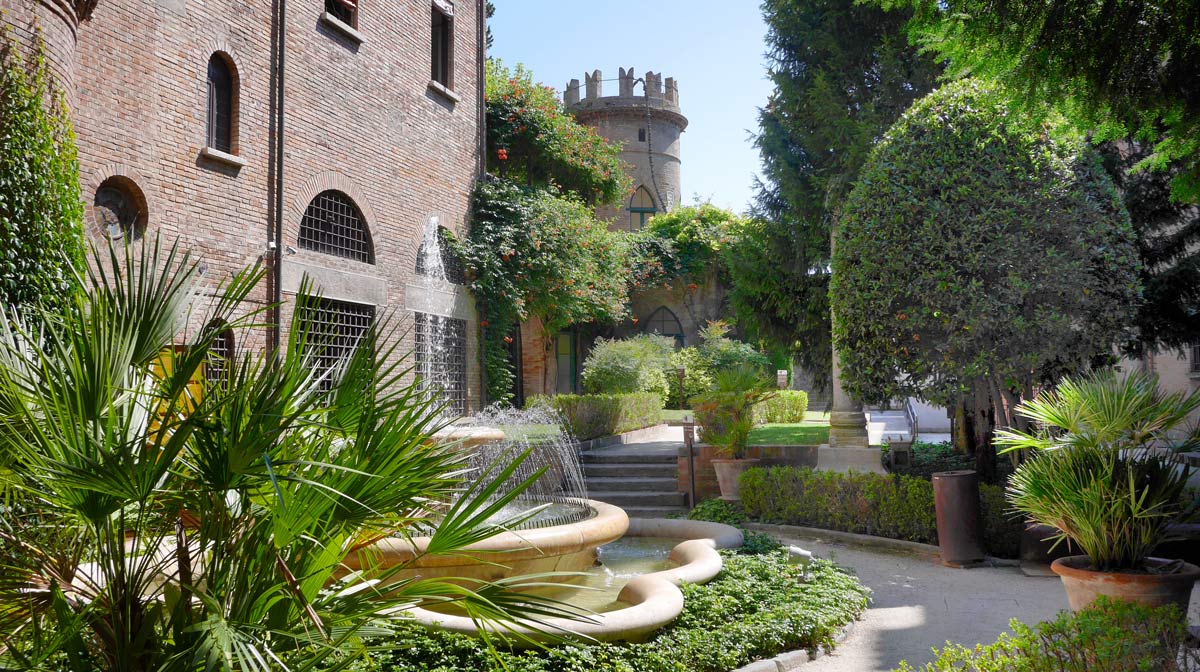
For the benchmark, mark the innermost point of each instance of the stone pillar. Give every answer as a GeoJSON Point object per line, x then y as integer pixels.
{"type": "Point", "coordinates": [847, 422]}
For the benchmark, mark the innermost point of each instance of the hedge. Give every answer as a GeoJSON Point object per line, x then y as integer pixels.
{"type": "Point", "coordinates": [588, 416]}
{"type": "Point", "coordinates": [787, 406]}
{"type": "Point", "coordinates": [896, 507]}
{"type": "Point", "coordinates": [1107, 636]}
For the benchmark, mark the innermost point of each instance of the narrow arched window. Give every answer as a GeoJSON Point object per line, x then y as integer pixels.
{"type": "Point", "coordinates": [221, 96]}
{"type": "Point", "coordinates": [664, 323]}
{"type": "Point", "coordinates": [333, 224]}
{"type": "Point", "coordinates": [641, 208]}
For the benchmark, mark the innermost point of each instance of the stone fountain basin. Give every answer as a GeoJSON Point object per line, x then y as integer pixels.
{"type": "Point", "coordinates": [655, 599]}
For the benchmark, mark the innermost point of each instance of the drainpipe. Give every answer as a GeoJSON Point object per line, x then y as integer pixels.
{"type": "Point", "coordinates": [481, 167]}
{"type": "Point", "coordinates": [276, 207]}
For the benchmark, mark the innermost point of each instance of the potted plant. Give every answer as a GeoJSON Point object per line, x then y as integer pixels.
{"type": "Point", "coordinates": [726, 417]}
{"type": "Point", "coordinates": [1104, 474]}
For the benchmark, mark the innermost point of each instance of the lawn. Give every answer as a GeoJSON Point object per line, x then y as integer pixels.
{"type": "Point", "coordinates": [807, 433]}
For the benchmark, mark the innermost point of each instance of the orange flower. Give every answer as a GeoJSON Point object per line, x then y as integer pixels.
{"type": "Point", "coordinates": [483, 323]}
{"type": "Point", "coordinates": [508, 339]}
{"type": "Point", "coordinates": [502, 154]}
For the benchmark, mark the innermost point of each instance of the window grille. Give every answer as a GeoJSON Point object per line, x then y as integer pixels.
{"type": "Point", "coordinates": [335, 329]}
{"type": "Point", "coordinates": [220, 104]}
{"type": "Point", "coordinates": [441, 43]}
{"type": "Point", "coordinates": [664, 323]}
{"type": "Point", "coordinates": [1195, 364]}
{"type": "Point", "coordinates": [345, 11]}
{"type": "Point", "coordinates": [332, 224]}
{"type": "Point", "coordinates": [218, 365]}
{"type": "Point", "coordinates": [452, 265]}
{"type": "Point", "coordinates": [441, 353]}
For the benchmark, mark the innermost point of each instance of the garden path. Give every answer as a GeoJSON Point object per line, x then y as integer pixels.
{"type": "Point", "coordinates": [918, 604]}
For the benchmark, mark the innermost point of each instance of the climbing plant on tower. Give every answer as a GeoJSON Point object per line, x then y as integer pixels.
{"type": "Point", "coordinates": [41, 214]}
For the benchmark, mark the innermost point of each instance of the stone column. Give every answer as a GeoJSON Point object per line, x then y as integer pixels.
{"type": "Point", "coordinates": [847, 422]}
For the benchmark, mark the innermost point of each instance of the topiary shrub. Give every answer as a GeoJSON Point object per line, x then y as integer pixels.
{"type": "Point", "coordinates": [634, 364]}
{"type": "Point", "coordinates": [786, 407]}
{"type": "Point", "coordinates": [1109, 636]}
{"type": "Point", "coordinates": [895, 506]}
{"type": "Point", "coordinates": [588, 416]}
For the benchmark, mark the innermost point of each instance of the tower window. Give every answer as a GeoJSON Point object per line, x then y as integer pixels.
{"type": "Point", "coordinates": [335, 329]}
{"type": "Point", "coordinates": [641, 135]}
{"type": "Point", "coordinates": [641, 208]}
{"type": "Point", "coordinates": [333, 224]}
{"type": "Point", "coordinates": [221, 103]}
{"type": "Point", "coordinates": [345, 11]}
{"type": "Point", "coordinates": [442, 44]}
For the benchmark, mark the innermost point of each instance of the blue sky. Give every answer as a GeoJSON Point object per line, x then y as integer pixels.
{"type": "Point", "coordinates": [713, 48]}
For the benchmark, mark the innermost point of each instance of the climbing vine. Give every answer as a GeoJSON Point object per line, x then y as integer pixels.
{"type": "Point", "coordinates": [41, 214]}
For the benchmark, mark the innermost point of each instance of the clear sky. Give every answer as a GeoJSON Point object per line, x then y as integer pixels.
{"type": "Point", "coordinates": [713, 49]}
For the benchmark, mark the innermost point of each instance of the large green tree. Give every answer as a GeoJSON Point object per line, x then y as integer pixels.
{"type": "Point", "coordinates": [843, 72]}
{"type": "Point", "coordinates": [977, 258]}
{"type": "Point", "coordinates": [41, 213]}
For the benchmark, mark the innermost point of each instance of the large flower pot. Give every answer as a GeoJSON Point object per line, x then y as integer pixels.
{"type": "Point", "coordinates": [1085, 585]}
{"type": "Point", "coordinates": [727, 475]}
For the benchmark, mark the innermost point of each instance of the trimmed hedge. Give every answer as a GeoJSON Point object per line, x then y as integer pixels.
{"type": "Point", "coordinates": [787, 406]}
{"type": "Point", "coordinates": [588, 416]}
{"type": "Point", "coordinates": [896, 507]}
{"type": "Point", "coordinates": [1109, 636]}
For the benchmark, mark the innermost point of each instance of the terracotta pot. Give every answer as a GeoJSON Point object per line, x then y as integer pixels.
{"type": "Point", "coordinates": [727, 475]}
{"type": "Point", "coordinates": [1085, 585]}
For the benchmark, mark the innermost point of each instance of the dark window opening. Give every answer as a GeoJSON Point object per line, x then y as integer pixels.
{"type": "Point", "coordinates": [345, 11]}
{"type": "Point", "coordinates": [334, 330]}
{"type": "Point", "coordinates": [641, 135]}
{"type": "Point", "coordinates": [451, 264]}
{"type": "Point", "coordinates": [119, 209]}
{"type": "Point", "coordinates": [441, 41]}
{"type": "Point", "coordinates": [333, 224]}
{"type": "Point", "coordinates": [664, 323]}
{"type": "Point", "coordinates": [1195, 367]}
{"type": "Point", "coordinates": [220, 104]}
{"type": "Point", "coordinates": [441, 359]}
{"type": "Point", "coordinates": [567, 362]}
{"type": "Point", "coordinates": [219, 363]}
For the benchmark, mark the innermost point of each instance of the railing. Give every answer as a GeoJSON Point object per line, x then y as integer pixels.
{"type": "Point", "coordinates": [911, 414]}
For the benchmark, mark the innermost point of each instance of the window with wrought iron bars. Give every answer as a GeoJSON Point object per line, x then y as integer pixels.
{"type": "Point", "coordinates": [1195, 364]}
{"type": "Point", "coordinates": [333, 224]}
{"type": "Point", "coordinates": [443, 368]}
{"type": "Point", "coordinates": [335, 329]}
{"type": "Point", "coordinates": [217, 367]}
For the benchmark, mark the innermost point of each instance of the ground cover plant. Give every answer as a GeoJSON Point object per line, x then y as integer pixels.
{"type": "Point", "coordinates": [1109, 636]}
{"type": "Point", "coordinates": [760, 605]}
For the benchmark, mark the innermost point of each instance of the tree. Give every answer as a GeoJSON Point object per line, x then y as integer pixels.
{"type": "Point", "coordinates": [1121, 69]}
{"type": "Point", "coordinates": [41, 214]}
{"type": "Point", "coordinates": [843, 73]}
{"type": "Point", "coordinates": [977, 258]}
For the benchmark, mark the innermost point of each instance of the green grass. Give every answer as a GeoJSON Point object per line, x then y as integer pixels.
{"type": "Point", "coordinates": [807, 433]}
{"type": "Point", "coordinates": [676, 415]}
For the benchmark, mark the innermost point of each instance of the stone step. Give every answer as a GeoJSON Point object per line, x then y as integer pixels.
{"type": "Point", "coordinates": [627, 498]}
{"type": "Point", "coordinates": [655, 511]}
{"type": "Point", "coordinates": [614, 457]}
{"type": "Point", "coordinates": [640, 484]}
{"type": "Point", "coordinates": [618, 470]}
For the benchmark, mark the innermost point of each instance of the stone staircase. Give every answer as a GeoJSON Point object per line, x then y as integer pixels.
{"type": "Point", "coordinates": [643, 482]}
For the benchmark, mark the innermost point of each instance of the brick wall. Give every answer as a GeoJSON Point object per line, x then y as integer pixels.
{"type": "Point", "coordinates": [360, 117]}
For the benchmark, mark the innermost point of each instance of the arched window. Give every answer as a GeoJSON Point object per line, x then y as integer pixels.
{"type": "Point", "coordinates": [221, 100]}
{"type": "Point", "coordinates": [641, 208]}
{"type": "Point", "coordinates": [333, 224]}
{"type": "Point", "coordinates": [119, 209]}
{"type": "Point", "coordinates": [218, 364]}
{"type": "Point", "coordinates": [664, 323]}
{"type": "Point", "coordinates": [446, 265]}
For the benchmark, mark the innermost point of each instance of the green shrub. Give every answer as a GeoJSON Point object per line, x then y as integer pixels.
{"type": "Point", "coordinates": [719, 511]}
{"type": "Point", "coordinates": [759, 606]}
{"type": "Point", "coordinates": [895, 506]}
{"type": "Point", "coordinates": [1109, 636]}
{"type": "Point", "coordinates": [697, 375]}
{"type": "Point", "coordinates": [635, 364]}
{"type": "Point", "coordinates": [588, 416]}
{"type": "Point", "coordinates": [786, 407]}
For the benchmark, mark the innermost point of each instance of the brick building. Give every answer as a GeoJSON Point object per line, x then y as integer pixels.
{"type": "Point", "coordinates": [317, 137]}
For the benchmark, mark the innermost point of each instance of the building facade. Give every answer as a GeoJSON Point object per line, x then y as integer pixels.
{"type": "Point", "coordinates": [321, 138]}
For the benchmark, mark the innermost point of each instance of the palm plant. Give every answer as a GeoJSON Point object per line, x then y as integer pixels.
{"type": "Point", "coordinates": [164, 522]}
{"type": "Point", "coordinates": [726, 413]}
{"type": "Point", "coordinates": [1105, 473]}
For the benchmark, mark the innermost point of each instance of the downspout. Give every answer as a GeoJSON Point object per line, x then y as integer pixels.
{"type": "Point", "coordinates": [276, 207]}
{"type": "Point", "coordinates": [481, 166]}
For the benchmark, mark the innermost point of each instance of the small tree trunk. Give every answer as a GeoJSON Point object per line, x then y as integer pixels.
{"type": "Point", "coordinates": [984, 415]}
{"type": "Point", "coordinates": [961, 428]}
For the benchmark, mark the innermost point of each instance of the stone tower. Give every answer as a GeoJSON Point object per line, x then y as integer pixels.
{"type": "Point", "coordinates": [647, 126]}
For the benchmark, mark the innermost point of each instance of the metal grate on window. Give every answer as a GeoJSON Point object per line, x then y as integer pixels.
{"type": "Point", "coordinates": [220, 356]}
{"type": "Point", "coordinates": [335, 329]}
{"type": "Point", "coordinates": [332, 224]}
{"type": "Point", "coordinates": [452, 265]}
{"type": "Point", "coordinates": [1195, 365]}
{"type": "Point", "coordinates": [441, 353]}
